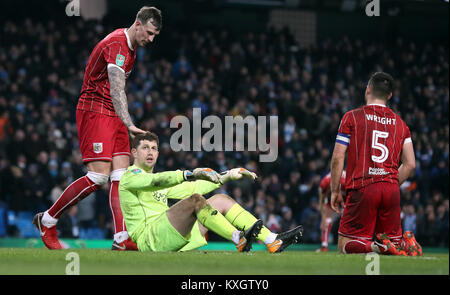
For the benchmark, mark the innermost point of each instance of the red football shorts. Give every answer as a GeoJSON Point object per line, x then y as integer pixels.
{"type": "Point", "coordinates": [101, 137]}
{"type": "Point", "coordinates": [374, 208]}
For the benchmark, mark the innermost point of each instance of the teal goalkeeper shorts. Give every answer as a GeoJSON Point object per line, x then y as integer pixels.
{"type": "Point", "coordinates": [162, 236]}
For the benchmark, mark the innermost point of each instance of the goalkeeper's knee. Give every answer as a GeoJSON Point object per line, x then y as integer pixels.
{"type": "Point", "coordinates": [198, 202]}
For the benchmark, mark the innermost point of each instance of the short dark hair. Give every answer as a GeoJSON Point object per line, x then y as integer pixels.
{"type": "Point", "coordinates": [150, 136]}
{"type": "Point", "coordinates": [151, 14]}
{"type": "Point", "coordinates": [381, 84]}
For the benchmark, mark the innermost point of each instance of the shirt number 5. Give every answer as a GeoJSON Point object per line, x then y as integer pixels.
{"type": "Point", "coordinates": [376, 135]}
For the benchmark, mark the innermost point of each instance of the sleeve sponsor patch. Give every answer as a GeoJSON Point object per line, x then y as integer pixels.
{"type": "Point", "coordinates": [120, 60]}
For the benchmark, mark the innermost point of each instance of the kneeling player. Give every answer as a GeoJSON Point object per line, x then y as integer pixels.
{"type": "Point", "coordinates": [156, 227]}
{"type": "Point", "coordinates": [376, 139]}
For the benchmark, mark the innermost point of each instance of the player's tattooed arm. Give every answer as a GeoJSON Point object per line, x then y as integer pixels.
{"type": "Point", "coordinates": [117, 90]}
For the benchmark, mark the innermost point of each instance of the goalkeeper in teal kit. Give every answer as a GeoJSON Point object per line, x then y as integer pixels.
{"type": "Point", "coordinates": [154, 226]}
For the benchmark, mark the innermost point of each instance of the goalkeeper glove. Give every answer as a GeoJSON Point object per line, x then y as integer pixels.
{"type": "Point", "coordinates": [202, 174]}
{"type": "Point", "coordinates": [235, 174]}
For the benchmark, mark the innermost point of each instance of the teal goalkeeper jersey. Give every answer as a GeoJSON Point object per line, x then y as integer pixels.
{"type": "Point", "coordinates": [143, 196]}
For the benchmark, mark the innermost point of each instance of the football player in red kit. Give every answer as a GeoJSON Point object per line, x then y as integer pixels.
{"type": "Point", "coordinates": [375, 140]}
{"type": "Point", "coordinates": [327, 214]}
{"type": "Point", "coordinates": [104, 125]}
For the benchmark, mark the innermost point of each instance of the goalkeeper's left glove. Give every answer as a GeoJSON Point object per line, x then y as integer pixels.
{"type": "Point", "coordinates": [235, 174]}
{"type": "Point", "coordinates": [202, 174]}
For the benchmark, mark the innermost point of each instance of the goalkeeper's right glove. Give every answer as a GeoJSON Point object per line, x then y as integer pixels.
{"type": "Point", "coordinates": [235, 174]}
{"type": "Point", "coordinates": [202, 174]}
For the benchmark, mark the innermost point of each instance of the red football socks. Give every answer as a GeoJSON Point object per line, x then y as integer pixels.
{"type": "Point", "coordinates": [76, 191]}
{"type": "Point", "coordinates": [114, 204]}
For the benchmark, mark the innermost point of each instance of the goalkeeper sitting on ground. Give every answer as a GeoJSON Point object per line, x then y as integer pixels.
{"type": "Point", "coordinates": [153, 226]}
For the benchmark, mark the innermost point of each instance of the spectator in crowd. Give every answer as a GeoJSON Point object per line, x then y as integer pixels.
{"type": "Point", "coordinates": [68, 224]}
{"type": "Point", "coordinates": [287, 222]}
{"type": "Point", "coordinates": [310, 218]}
{"type": "Point", "coordinates": [409, 218]}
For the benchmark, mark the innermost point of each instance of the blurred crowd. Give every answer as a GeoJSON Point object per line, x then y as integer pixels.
{"type": "Point", "coordinates": [223, 73]}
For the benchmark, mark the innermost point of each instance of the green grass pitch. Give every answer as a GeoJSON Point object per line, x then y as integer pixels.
{"type": "Point", "coordinates": [22, 261]}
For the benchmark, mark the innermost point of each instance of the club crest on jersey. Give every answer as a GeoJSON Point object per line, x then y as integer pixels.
{"type": "Point", "coordinates": [98, 147]}
{"type": "Point", "coordinates": [120, 59]}
{"type": "Point", "coordinates": [136, 171]}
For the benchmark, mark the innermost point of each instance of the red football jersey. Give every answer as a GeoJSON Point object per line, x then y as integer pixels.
{"type": "Point", "coordinates": [114, 50]}
{"type": "Point", "coordinates": [325, 183]}
{"type": "Point", "coordinates": [375, 136]}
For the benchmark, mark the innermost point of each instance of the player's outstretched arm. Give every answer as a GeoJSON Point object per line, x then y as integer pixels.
{"type": "Point", "coordinates": [199, 181]}
{"type": "Point", "coordinates": [235, 174]}
{"type": "Point", "coordinates": [139, 180]}
{"type": "Point", "coordinates": [119, 99]}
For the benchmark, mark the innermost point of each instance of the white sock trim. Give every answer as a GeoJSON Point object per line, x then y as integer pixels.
{"type": "Point", "coordinates": [117, 174]}
{"type": "Point", "coordinates": [121, 236]}
{"type": "Point", "coordinates": [97, 178]}
{"type": "Point", "coordinates": [236, 236]}
{"type": "Point", "coordinates": [270, 238]}
{"type": "Point", "coordinates": [48, 221]}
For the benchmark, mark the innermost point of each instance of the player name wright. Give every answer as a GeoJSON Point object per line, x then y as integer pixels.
{"type": "Point", "coordinates": [381, 120]}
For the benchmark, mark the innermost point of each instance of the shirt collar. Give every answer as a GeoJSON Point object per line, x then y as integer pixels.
{"type": "Point", "coordinates": [377, 104]}
{"type": "Point", "coordinates": [128, 40]}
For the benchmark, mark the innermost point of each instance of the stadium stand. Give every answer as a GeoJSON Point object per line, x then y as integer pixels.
{"type": "Point", "coordinates": [223, 72]}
